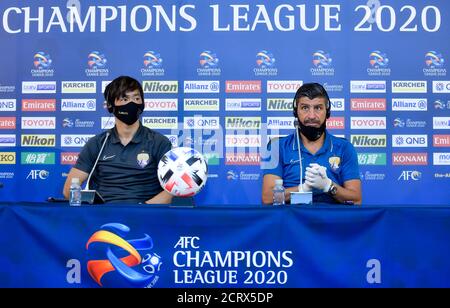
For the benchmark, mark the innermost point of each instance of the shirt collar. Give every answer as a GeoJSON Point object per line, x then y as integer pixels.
{"type": "Point", "coordinates": [137, 138]}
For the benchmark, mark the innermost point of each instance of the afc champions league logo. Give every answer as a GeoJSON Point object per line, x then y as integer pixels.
{"type": "Point", "coordinates": [117, 262]}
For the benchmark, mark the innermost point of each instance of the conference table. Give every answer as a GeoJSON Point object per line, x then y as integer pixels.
{"type": "Point", "coordinates": [223, 246]}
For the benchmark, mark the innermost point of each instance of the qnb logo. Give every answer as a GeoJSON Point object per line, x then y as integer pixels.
{"type": "Point", "coordinates": [38, 175]}
{"type": "Point", "coordinates": [96, 60]}
{"type": "Point", "coordinates": [265, 59]}
{"type": "Point", "coordinates": [42, 60]}
{"type": "Point", "coordinates": [377, 59]}
{"type": "Point", "coordinates": [152, 59]}
{"type": "Point", "coordinates": [208, 59]}
{"type": "Point", "coordinates": [410, 176]}
{"type": "Point", "coordinates": [128, 263]}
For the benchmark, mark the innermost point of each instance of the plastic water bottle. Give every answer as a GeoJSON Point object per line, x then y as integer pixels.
{"type": "Point", "coordinates": [278, 193]}
{"type": "Point", "coordinates": [75, 192]}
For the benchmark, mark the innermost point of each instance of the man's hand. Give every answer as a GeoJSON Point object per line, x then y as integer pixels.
{"type": "Point", "coordinates": [304, 187]}
{"type": "Point", "coordinates": [316, 177]}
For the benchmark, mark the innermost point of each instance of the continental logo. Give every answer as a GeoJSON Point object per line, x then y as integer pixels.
{"type": "Point", "coordinates": [279, 104]}
{"type": "Point", "coordinates": [78, 87]}
{"type": "Point", "coordinates": [38, 141]}
{"type": "Point", "coordinates": [7, 158]}
{"type": "Point", "coordinates": [409, 86]}
{"type": "Point", "coordinates": [160, 86]}
{"type": "Point", "coordinates": [37, 158]}
{"type": "Point", "coordinates": [369, 141]}
{"type": "Point", "coordinates": [243, 122]}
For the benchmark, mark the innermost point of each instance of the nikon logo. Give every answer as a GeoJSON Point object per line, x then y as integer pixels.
{"type": "Point", "coordinates": [243, 123]}
{"type": "Point", "coordinates": [160, 86]}
{"type": "Point", "coordinates": [369, 141]}
{"type": "Point", "coordinates": [279, 104]}
{"type": "Point", "coordinates": [38, 140]}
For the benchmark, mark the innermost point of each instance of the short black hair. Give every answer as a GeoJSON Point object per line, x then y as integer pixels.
{"type": "Point", "coordinates": [312, 90]}
{"type": "Point", "coordinates": [119, 87]}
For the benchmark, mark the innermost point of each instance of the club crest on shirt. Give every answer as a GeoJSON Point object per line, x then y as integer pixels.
{"type": "Point", "coordinates": [334, 162]}
{"type": "Point", "coordinates": [143, 159]}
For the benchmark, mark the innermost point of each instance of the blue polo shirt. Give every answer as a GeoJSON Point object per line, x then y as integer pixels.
{"type": "Point", "coordinates": [125, 174]}
{"type": "Point", "coordinates": [337, 154]}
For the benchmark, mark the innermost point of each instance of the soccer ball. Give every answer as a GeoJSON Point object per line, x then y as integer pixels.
{"type": "Point", "coordinates": [182, 172]}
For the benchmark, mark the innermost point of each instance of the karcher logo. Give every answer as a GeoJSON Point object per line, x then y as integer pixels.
{"type": "Point", "coordinates": [409, 86]}
{"type": "Point", "coordinates": [7, 158]}
{"type": "Point", "coordinates": [243, 123]}
{"type": "Point", "coordinates": [160, 86]}
{"type": "Point", "coordinates": [369, 141]}
{"type": "Point", "coordinates": [79, 87]}
{"type": "Point", "coordinates": [38, 140]}
{"type": "Point", "coordinates": [160, 122]}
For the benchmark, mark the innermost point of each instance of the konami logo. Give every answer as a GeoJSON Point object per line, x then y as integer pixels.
{"type": "Point", "coordinates": [243, 159]}
{"type": "Point", "coordinates": [368, 122]}
{"type": "Point", "coordinates": [416, 159]}
{"type": "Point", "coordinates": [336, 123]}
{"type": "Point", "coordinates": [69, 158]}
{"type": "Point", "coordinates": [243, 86]}
{"type": "Point", "coordinates": [441, 141]}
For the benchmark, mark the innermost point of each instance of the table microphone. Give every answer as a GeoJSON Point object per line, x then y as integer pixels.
{"type": "Point", "coordinates": [300, 197]}
{"type": "Point", "coordinates": [88, 195]}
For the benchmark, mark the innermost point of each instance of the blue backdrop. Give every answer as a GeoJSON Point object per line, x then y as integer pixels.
{"type": "Point", "coordinates": [220, 76]}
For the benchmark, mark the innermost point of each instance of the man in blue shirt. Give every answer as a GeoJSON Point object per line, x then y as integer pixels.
{"type": "Point", "coordinates": [329, 164]}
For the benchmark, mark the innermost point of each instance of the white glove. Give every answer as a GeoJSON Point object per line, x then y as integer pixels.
{"type": "Point", "coordinates": [316, 177]}
{"type": "Point", "coordinates": [304, 187]}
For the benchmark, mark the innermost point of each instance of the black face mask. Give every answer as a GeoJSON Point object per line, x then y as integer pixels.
{"type": "Point", "coordinates": [312, 133]}
{"type": "Point", "coordinates": [129, 113]}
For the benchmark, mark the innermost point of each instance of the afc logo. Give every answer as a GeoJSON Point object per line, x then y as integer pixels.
{"type": "Point", "coordinates": [410, 176]}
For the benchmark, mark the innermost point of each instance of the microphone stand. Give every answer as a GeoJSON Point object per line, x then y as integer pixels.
{"type": "Point", "coordinates": [300, 197]}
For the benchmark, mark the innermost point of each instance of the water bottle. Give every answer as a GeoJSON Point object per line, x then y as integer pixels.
{"type": "Point", "coordinates": [75, 192]}
{"type": "Point", "coordinates": [278, 193]}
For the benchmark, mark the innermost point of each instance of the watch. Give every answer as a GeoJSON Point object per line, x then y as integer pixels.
{"type": "Point", "coordinates": [332, 190]}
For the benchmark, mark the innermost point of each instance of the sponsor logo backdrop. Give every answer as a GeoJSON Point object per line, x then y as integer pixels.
{"type": "Point", "coordinates": [221, 78]}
